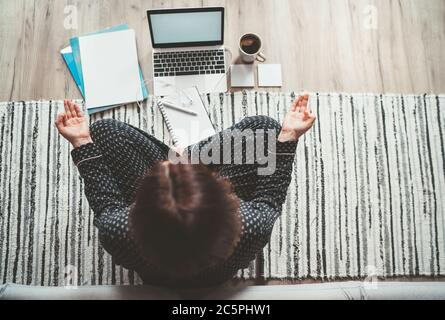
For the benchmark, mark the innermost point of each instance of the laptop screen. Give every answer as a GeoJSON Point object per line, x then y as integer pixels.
{"type": "Point", "coordinates": [186, 27]}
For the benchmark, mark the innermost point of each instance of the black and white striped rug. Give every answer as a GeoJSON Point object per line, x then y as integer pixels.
{"type": "Point", "coordinates": [367, 196]}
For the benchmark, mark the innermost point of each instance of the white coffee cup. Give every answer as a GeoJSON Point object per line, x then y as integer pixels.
{"type": "Point", "coordinates": [250, 46]}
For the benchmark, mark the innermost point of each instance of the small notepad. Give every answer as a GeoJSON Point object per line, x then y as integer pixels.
{"type": "Point", "coordinates": [242, 75]}
{"type": "Point", "coordinates": [269, 75]}
{"type": "Point", "coordinates": [185, 129]}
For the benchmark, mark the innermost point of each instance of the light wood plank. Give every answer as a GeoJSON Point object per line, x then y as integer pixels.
{"type": "Point", "coordinates": [322, 44]}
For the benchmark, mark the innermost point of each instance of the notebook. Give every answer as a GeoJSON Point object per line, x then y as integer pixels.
{"type": "Point", "coordinates": [110, 69]}
{"type": "Point", "coordinates": [67, 54]}
{"type": "Point", "coordinates": [74, 45]}
{"type": "Point", "coordinates": [186, 129]}
{"type": "Point", "coordinates": [72, 57]}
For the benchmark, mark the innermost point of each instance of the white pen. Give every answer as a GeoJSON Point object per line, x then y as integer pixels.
{"type": "Point", "coordinates": [172, 106]}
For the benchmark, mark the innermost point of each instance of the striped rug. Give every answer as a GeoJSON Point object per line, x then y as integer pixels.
{"type": "Point", "coordinates": [367, 197]}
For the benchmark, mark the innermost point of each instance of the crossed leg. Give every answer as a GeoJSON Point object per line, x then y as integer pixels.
{"type": "Point", "coordinates": [244, 175]}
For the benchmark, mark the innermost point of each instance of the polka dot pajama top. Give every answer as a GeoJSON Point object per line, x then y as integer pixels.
{"type": "Point", "coordinates": [121, 154]}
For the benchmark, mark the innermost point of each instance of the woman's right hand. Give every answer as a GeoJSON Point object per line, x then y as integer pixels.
{"type": "Point", "coordinates": [73, 125]}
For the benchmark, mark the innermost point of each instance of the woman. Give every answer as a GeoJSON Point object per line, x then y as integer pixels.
{"type": "Point", "coordinates": [183, 225]}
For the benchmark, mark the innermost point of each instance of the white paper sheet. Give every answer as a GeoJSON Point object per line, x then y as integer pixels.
{"type": "Point", "coordinates": [269, 75]}
{"type": "Point", "coordinates": [242, 75]}
{"type": "Point", "coordinates": [110, 68]}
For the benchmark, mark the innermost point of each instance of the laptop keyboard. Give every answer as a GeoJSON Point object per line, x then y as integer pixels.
{"type": "Point", "coordinates": [170, 64]}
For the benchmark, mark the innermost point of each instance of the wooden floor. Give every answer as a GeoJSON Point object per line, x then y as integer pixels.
{"type": "Point", "coordinates": [324, 45]}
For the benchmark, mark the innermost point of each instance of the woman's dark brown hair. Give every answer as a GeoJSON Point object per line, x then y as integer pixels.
{"type": "Point", "coordinates": [186, 218]}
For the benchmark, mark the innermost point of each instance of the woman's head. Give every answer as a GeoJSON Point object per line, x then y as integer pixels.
{"type": "Point", "coordinates": [186, 218]}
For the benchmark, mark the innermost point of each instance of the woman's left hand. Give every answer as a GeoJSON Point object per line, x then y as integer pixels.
{"type": "Point", "coordinates": [298, 121]}
{"type": "Point", "coordinates": [73, 125]}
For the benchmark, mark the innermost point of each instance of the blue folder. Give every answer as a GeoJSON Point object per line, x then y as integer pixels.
{"type": "Point", "coordinates": [69, 60]}
{"type": "Point", "coordinates": [74, 64]}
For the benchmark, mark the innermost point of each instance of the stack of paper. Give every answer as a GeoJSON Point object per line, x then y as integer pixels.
{"type": "Point", "coordinates": [105, 67]}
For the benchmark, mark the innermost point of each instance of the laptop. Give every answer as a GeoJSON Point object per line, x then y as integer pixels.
{"type": "Point", "coordinates": [188, 50]}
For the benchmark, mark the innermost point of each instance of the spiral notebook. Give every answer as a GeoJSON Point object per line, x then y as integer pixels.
{"type": "Point", "coordinates": [186, 129]}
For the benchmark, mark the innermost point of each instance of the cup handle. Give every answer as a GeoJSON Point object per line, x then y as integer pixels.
{"type": "Point", "coordinates": [261, 57]}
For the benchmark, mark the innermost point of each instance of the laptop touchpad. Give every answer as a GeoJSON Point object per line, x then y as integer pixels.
{"type": "Point", "coordinates": [185, 82]}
